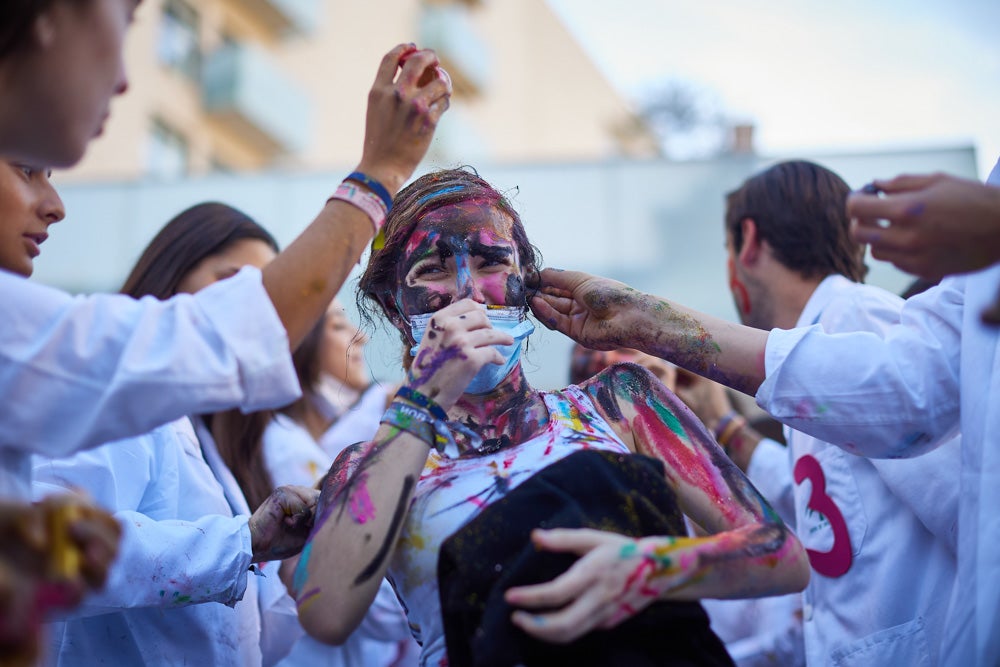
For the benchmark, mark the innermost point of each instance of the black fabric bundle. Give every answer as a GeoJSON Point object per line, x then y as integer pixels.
{"type": "Point", "coordinates": [589, 489]}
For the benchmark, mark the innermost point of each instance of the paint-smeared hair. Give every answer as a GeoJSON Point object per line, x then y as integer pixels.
{"type": "Point", "coordinates": [377, 285]}
{"type": "Point", "coordinates": [200, 232]}
{"type": "Point", "coordinates": [800, 209]}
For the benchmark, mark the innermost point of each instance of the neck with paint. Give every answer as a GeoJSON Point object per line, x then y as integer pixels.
{"type": "Point", "coordinates": [509, 415]}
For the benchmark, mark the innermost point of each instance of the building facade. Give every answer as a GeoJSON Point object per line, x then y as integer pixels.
{"type": "Point", "coordinates": [245, 85]}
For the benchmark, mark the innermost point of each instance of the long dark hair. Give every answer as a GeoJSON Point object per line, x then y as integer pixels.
{"type": "Point", "coordinates": [195, 234]}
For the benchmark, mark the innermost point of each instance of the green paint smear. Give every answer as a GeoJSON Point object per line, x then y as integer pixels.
{"type": "Point", "coordinates": [669, 418]}
{"type": "Point", "coordinates": [301, 573]}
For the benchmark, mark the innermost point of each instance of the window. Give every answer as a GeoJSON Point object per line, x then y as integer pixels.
{"type": "Point", "coordinates": [167, 154]}
{"type": "Point", "coordinates": [178, 45]}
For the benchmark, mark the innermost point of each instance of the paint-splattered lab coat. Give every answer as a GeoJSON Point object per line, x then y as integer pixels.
{"type": "Point", "coordinates": [180, 591]}
{"type": "Point", "coordinates": [936, 372]}
{"type": "Point", "coordinates": [865, 521]}
{"type": "Point", "coordinates": [76, 372]}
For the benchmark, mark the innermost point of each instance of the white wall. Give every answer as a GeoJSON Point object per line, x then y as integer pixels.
{"type": "Point", "coordinates": [654, 224]}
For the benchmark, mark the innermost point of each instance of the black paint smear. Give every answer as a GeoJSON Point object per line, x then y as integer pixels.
{"type": "Point", "coordinates": [397, 519]}
{"type": "Point", "coordinates": [609, 403]}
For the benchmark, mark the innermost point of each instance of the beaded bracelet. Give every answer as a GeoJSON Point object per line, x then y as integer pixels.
{"type": "Point", "coordinates": [420, 400]}
{"type": "Point", "coordinates": [374, 185]}
{"type": "Point", "coordinates": [727, 427]}
{"type": "Point", "coordinates": [367, 201]}
{"type": "Point", "coordinates": [417, 422]}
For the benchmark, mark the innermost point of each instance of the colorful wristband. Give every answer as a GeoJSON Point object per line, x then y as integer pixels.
{"type": "Point", "coordinates": [727, 427]}
{"type": "Point", "coordinates": [420, 400]}
{"type": "Point", "coordinates": [417, 422]}
{"type": "Point", "coordinates": [373, 185]}
{"type": "Point", "coordinates": [363, 199]}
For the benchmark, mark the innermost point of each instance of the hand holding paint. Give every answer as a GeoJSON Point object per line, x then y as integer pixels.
{"type": "Point", "coordinates": [280, 526]}
{"type": "Point", "coordinates": [410, 94]}
{"type": "Point", "coordinates": [938, 224]}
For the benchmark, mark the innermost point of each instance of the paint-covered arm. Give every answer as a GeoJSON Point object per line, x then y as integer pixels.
{"type": "Point", "coordinates": [749, 551]}
{"type": "Point", "coordinates": [366, 496]}
{"type": "Point", "coordinates": [603, 314]}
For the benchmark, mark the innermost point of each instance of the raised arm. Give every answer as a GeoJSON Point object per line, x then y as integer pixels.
{"type": "Point", "coordinates": [749, 552]}
{"type": "Point", "coordinates": [403, 111]}
{"type": "Point", "coordinates": [603, 314]}
{"type": "Point", "coordinates": [366, 495]}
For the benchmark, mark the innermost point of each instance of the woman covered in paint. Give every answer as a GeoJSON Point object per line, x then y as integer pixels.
{"type": "Point", "coordinates": [467, 433]}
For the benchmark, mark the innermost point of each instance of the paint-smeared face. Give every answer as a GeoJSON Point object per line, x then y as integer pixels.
{"type": "Point", "coordinates": [462, 250]}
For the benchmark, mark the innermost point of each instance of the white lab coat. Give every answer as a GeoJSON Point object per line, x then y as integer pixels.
{"type": "Point", "coordinates": [898, 515]}
{"type": "Point", "coordinates": [76, 372]}
{"type": "Point", "coordinates": [180, 591]}
{"type": "Point", "coordinates": [935, 372]}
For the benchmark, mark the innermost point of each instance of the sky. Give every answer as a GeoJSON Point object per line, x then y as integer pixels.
{"type": "Point", "coordinates": [819, 76]}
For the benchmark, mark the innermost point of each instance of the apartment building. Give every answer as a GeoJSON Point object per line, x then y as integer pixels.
{"type": "Point", "coordinates": [246, 85]}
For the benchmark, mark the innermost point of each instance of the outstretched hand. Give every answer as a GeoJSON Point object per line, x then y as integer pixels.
{"type": "Point", "coordinates": [616, 578]}
{"type": "Point", "coordinates": [458, 342]}
{"type": "Point", "coordinates": [410, 94]}
{"type": "Point", "coordinates": [589, 309]}
{"type": "Point", "coordinates": [938, 224]}
{"type": "Point", "coordinates": [280, 526]}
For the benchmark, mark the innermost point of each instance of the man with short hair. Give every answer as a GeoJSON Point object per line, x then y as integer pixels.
{"type": "Point", "coordinates": [880, 534]}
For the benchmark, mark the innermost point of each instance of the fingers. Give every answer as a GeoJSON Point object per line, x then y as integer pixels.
{"type": "Point", "coordinates": [871, 208]}
{"type": "Point", "coordinates": [568, 586]}
{"type": "Point", "coordinates": [565, 625]}
{"type": "Point", "coordinates": [577, 541]}
{"type": "Point", "coordinates": [97, 538]}
{"type": "Point", "coordinates": [908, 182]}
{"type": "Point", "coordinates": [390, 63]}
{"type": "Point", "coordinates": [418, 68]}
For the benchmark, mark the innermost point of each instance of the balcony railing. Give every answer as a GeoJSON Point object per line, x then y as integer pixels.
{"type": "Point", "coordinates": [286, 16]}
{"type": "Point", "coordinates": [243, 88]}
{"type": "Point", "coordinates": [449, 30]}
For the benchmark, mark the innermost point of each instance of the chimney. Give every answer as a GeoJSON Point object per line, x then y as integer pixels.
{"type": "Point", "coordinates": [742, 139]}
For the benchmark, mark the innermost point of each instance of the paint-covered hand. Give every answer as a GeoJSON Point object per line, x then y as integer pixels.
{"type": "Point", "coordinates": [458, 342]}
{"type": "Point", "coordinates": [589, 309]}
{"type": "Point", "coordinates": [410, 93]}
{"type": "Point", "coordinates": [52, 554]}
{"type": "Point", "coordinates": [938, 224]}
{"type": "Point", "coordinates": [615, 578]}
{"type": "Point", "coordinates": [280, 526]}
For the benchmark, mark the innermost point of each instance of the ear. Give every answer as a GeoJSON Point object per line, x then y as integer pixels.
{"type": "Point", "coordinates": [750, 251]}
{"type": "Point", "coordinates": [45, 29]}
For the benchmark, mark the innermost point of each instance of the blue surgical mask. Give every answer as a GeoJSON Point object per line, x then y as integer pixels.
{"type": "Point", "coordinates": [511, 320]}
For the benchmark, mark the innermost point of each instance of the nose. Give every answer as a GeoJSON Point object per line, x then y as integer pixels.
{"type": "Point", "coordinates": [468, 287]}
{"type": "Point", "coordinates": [51, 207]}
